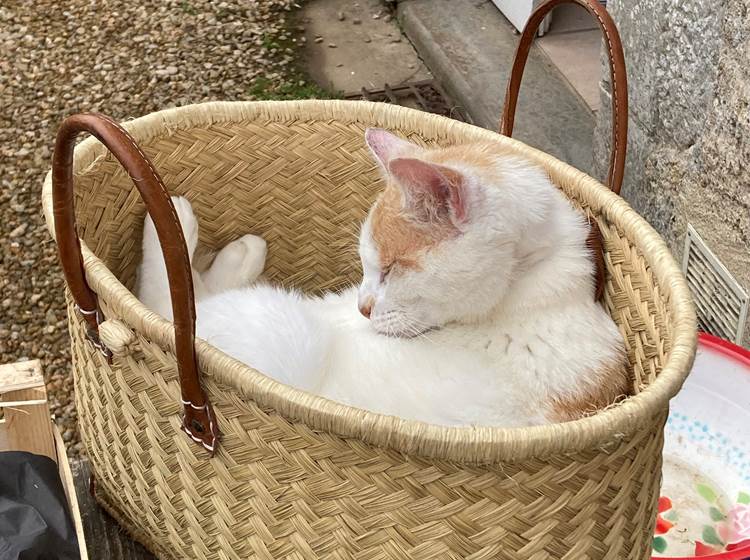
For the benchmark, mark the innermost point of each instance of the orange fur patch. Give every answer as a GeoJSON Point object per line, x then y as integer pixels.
{"type": "Point", "coordinates": [611, 383]}
{"type": "Point", "coordinates": [398, 239]}
{"type": "Point", "coordinates": [402, 241]}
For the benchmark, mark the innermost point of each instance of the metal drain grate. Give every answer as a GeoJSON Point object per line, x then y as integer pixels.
{"type": "Point", "coordinates": [426, 95]}
{"type": "Point", "coordinates": [720, 300]}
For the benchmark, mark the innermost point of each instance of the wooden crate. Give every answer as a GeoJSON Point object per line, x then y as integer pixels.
{"type": "Point", "coordinates": [27, 426]}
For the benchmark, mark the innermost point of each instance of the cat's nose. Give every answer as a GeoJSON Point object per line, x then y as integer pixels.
{"type": "Point", "coordinates": [365, 306]}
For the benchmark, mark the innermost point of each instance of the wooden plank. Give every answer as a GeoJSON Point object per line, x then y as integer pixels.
{"type": "Point", "coordinates": [105, 538]}
{"type": "Point", "coordinates": [70, 492]}
{"type": "Point", "coordinates": [26, 427]}
{"type": "Point", "coordinates": [21, 375]}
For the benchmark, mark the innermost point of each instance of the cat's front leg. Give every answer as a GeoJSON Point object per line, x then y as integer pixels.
{"type": "Point", "coordinates": [238, 264]}
{"type": "Point", "coordinates": [153, 283]}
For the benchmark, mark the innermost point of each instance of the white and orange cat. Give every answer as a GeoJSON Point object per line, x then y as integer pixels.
{"type": "Point", "coordinates": [476, 305]}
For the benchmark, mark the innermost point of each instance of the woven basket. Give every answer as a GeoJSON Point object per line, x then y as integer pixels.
{"type": "Point", "coordinates": [294, 475]}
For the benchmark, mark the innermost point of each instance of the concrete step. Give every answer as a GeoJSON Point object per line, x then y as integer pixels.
{"type": "Point", "coordinates": [351, 45]}
{"type": "Point", "coordinates": [468, 45]}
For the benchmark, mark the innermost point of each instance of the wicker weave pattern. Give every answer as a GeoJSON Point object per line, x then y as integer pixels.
{"type": "Point", "coordinates": [280, 488]}
{"type": "Point", "coordinates": [297, 476]}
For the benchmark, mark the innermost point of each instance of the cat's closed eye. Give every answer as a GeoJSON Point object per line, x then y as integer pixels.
{"type": "Point", "coordinates": [395, 267]}
{"type": "Point", "coordinates": [385, 272]}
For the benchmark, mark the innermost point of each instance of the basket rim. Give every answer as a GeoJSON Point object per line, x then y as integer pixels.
{"type": "Point", "coordinates": [477, 445]}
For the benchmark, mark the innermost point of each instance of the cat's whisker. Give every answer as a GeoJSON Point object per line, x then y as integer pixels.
{"type": "Point", "coordinates": [422, 333]}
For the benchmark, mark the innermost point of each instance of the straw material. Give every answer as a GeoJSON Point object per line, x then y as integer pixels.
{"type": "Point", "coordinates": [297, 476]}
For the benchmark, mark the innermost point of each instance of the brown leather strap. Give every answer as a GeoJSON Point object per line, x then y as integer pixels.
{"type": "Point", "coordinates": [618, 79]}
{"type": "Point", "coordinates": [198, 421]}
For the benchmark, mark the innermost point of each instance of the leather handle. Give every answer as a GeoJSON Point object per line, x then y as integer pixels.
{"type": "Point", "coordinates": [618, 79]}
{"type": "Point", "coordinates": [198, 421]}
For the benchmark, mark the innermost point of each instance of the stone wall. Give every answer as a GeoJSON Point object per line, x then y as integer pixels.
{"type": "Point", "coordinates": [689, 130]}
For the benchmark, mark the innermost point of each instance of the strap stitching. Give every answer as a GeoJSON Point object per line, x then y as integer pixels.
{"type": "Point", "coordinates": [89, 312]}
{"type": "Point", "coordinates": [157, 178]}
{"type": "Point", "coordinates": [196, 407]}
{"type": "Point", "coordinates": [210, 447]}
{"type": "Point", "coordinates": [163, 191]}
{"type": "Point", "coordinates": [98, 344]}
{"type": "Point", "coordinates": [615, 88]}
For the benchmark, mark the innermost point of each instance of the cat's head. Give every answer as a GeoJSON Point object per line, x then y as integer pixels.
{"type": "Point", "coordinates": [442, 241]}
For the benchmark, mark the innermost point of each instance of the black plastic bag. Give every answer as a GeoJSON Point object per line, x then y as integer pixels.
{"type": "Point", "coordinates": [35, 521]}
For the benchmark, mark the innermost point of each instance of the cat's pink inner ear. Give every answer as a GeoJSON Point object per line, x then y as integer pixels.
{"type": "Point", "coordinates": [385, 146]}
{"type": "Point", "coordinates": [431, 190]}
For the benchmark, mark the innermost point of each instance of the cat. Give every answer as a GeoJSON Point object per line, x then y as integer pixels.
{"type": "Point", "coordinates": [476, 304]}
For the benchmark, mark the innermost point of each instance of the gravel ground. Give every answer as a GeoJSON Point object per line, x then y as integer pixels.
{"type": "Point", "coordinates": [125, 59]}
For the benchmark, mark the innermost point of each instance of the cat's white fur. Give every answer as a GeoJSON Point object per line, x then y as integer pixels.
{"type": "Point", "coordinates": [496, 325]}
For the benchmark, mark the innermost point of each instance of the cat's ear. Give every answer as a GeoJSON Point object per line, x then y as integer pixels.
{"type": "Point", "coordinates": [432, 192]}
{"type": "Point", "coordinates": [386, 146]}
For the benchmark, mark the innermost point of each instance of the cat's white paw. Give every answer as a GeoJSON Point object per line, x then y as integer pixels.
{"type": "Point", "coordinates": [188, 222]}
{"type": "Point", "coordinates": [238, 264]}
